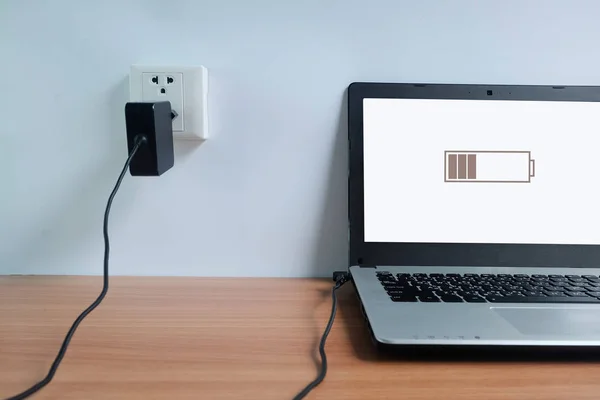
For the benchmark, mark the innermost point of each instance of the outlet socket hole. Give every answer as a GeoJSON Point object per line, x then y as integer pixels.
{"type": "Point", "coordinates": [170, 80]}
{"type": "Point", "coordinates": [163, 91]}
{"type": "Point", "coordinates": [154, 80]}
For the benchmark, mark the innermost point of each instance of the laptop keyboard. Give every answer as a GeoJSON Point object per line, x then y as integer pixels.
{"type": "Point", "coordinates": [490, 288]}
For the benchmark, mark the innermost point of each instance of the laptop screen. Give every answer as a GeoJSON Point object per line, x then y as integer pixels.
{"type": "Point", "coordinates": [481, 171]}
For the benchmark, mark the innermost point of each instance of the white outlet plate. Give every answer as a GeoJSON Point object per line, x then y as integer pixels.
{"type": "Point", "coordinates": [186, 87]}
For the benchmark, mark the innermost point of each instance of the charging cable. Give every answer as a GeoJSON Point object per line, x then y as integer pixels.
{"type": "Point", "coordinates": [139, 140]}
{"type": "Point", "coordinates": [340, 278]}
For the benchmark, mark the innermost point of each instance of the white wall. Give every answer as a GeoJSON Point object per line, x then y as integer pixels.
{"type": "Point", "coordinates": [266, 196]}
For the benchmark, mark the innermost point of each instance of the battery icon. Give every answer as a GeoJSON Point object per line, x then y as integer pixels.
{"type": "Point", "coordinates": [488, 166]}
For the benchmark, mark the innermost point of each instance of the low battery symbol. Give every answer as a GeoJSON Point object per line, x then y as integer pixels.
{"type": "Point", "coordinates": [488, 166]}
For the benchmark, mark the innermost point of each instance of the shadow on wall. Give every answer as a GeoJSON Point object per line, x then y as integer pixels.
{"type": "Point", "coordinates": [332, 239]}
{"type": "Point", "coordinates": [79, 220]}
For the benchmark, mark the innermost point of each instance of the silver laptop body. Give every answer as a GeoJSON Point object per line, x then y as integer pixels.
{"type": "Point", "coordinates": [470, 222]}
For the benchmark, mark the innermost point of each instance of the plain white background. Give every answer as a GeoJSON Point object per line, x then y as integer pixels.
{"type": "Point", "coordinates": [407, 200]}
{"type": "Point", "coordinates": [266, 196]}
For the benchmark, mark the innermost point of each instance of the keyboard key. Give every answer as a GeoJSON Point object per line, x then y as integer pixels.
{"type": "Point", "coordinates": [429, 299]}
{"type": "Point", "coordinates": [593, 285]}
{"type": "Point", "coordinates": [539, 282]}
{"type": "Point", "coordinates": [575, 278]}
{"type": "Point", "coordinates": [395, 292]}
{"type": "Point", "coordinates": [594, 294]}
{"type": "Point", "coordinates": [554, 294]}
{"type": "Point", "coordinates": [592, 278]}
{"type": "Point", "coordinates": [552, 288]}
{"type": "Point", "coordinates": [577, 294]}
{"type": "Point", "coordinates": [558, 279]}
{"type": "Point", "coordinates": [532, 293]}
{"type": "Point", "coordinates": [425, 293]}
{"type": "Point", "coordinates": [505, 299]}
{"type": "Point", "coordinates": [513, 293]}
{"type": "Point", "coordinates": [397, 289]}
{"type": "Point", "coordinates": [404, 299]}
{"type": "Point", "coordinates": [474, 299]}
{"type": "Point", "coordinates": [452, 299]}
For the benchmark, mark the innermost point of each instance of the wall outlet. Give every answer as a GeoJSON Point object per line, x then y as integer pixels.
{"type": "Point", "coordinates": [185, 87]}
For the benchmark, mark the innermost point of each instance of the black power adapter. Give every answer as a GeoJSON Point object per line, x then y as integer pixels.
{"type": "Point", "coordinates": [150, 143]}
{"type": "Point", "coordinates": [152, 121]}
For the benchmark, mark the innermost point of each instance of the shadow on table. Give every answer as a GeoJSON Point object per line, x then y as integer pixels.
{"type": "Point", "coordinates": [365, 349]}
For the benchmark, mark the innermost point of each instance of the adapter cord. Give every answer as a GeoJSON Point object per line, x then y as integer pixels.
{"type": "Point", "coordinates": [340, 278]}
{"type": "Point", "coordinates": [139, 140]}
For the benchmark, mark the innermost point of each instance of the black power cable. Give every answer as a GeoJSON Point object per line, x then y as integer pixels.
{"type": "Point", "coordinates": [139, 140]}
{"type": "Point", "coordinates": [340, 279]}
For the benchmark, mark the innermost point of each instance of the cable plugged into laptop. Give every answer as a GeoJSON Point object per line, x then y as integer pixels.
{"type": "Point", "coordinates": [339, 277]}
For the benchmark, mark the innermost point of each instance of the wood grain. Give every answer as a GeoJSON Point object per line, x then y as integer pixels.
{"type": "Point", "coordinates": [198, 338]}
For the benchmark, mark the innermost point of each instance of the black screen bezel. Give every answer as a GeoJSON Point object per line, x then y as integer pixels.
{"type": "Point", "coordinates": [452, 254]}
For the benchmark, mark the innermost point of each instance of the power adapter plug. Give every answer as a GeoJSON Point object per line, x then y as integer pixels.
{"type": "Point", "coordinates": [151, 120]}
{"type": "Point", "coordinates": [150, 142]}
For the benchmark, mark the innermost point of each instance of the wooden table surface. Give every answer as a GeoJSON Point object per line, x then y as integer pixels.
{"type": "Point", "coordinates": [198, 338]}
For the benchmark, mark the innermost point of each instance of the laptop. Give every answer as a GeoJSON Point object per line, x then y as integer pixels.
{"type": "Point", "coordinates": [474, 213]}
